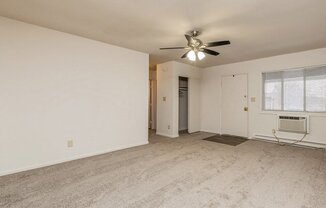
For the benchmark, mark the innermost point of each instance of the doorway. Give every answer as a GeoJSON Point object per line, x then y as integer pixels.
{"type": "Point", "coordinates": [183, 105]}
{"type": "Point", "coordinates": [152, 104]}
{"type": "Point", "coordinates": [234, 105]}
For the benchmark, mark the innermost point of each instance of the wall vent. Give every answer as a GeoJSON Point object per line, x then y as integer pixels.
{"type": "Point", "coordinates": [296, 124]}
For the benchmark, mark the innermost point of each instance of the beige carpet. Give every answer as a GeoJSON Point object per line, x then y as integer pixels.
{"type": "Point", "coordinates": [182, 172]}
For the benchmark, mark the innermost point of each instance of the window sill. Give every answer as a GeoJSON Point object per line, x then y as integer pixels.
{"type": "Point", "coordinates": [314, 114]}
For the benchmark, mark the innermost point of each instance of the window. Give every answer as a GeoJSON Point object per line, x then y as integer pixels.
{"type": "Point", "coordinates": [295, 90]}
{"type": "Point", "coordinates": [316, 90]}
{"type": "Point", "coordinates": [273, 90]}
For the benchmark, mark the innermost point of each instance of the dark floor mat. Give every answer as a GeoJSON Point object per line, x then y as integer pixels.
{"type": "Point", "coordinates": [226, 139]}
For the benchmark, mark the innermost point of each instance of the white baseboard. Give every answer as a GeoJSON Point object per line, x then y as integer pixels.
{"type": "Point", "coordinates": [210, 131]}
{"type": "Point", "coordinates": [270, 138]}
{"type": "Point", "coordinates": [167, 135]}
{"type": "Point", "coordinates": [41, 165]}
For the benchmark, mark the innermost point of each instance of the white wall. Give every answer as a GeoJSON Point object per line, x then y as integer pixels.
{"type": "Point", "coordinates": [164, 111]}
{"type": "Point", "coordinates": [260, 122]}
{"type": "Point", "coordinates": [55, 87]}
{"type": "Point", "coordinates": [167, 86]}
{"type": "Point", "coordinates": [194, 105]}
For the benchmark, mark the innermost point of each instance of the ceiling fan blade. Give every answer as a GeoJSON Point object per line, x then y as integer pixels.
{"type": "Point", "coordinates": [218, 43]}
{"type": "Point", "coordinates": [173, 48]}
{"type": "Point", "coordinates": [210, 52]}
{"type": "Point", "coordinates": [185, 55]}
{"type": "Point", "coordinates": [188, 37]}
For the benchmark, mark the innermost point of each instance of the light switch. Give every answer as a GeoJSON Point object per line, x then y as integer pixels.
{"type": "Point", "coordinates": [253, 99]}
{"type": "Point", "coordinates": [164, 98]}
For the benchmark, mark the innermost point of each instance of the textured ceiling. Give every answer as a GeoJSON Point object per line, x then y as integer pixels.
{"type": "Point", "coordinates": [256, 28]}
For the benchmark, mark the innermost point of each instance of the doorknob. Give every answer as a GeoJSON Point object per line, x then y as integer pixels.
{"type": "Point", "coordinates": [245, 108]}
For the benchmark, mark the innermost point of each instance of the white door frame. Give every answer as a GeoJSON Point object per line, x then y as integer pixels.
{"type": "Point", "coordinates": [220, 102]}
{"type": "Point", "coordinates": [192, 125]}
{"type": "Point", "coordinates": [152, 104]}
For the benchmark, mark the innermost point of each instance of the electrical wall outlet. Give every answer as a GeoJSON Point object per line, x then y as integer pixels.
{"type": "Point", "coordinates": [70, 143]}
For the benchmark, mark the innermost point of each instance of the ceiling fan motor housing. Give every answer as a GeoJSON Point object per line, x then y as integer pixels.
{"type": "Point", "coordinates": [195, 44]}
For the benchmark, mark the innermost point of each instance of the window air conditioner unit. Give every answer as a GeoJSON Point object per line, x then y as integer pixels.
{"type": "Point", "coordinates": [296, 124]}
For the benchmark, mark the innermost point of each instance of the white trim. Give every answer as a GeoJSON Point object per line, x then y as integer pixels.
{"type": "Point", "coordinates": [295, 68]}
{"type": "Point", "coordinates": [311, 114]}
{"type": "Point", "coordinates": [167, 135]}
{"type": "Point", "coordinates": [210, 131]}
{"type": "Point", "coordinates": [270, 138]}
{"type": "Point", "coordinates": [55, 162]}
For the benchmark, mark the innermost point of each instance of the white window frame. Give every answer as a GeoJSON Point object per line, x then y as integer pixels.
{"type": "Point", "coordinates": [262, 88]}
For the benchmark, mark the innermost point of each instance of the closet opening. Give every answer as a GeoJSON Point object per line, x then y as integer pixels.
{"type": "Point", "coordinates": [183, 105]}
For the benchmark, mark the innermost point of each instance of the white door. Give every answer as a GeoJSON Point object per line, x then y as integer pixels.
{"type": "Point", "coordinates": [234, 115]}
{"type": "Point", "coordinates": [193, 105]}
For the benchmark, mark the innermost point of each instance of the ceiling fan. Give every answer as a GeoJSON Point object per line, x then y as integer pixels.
{"type": "Point", "coordinates": [196, 48]}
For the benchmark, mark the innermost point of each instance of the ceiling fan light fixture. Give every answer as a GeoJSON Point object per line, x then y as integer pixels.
{"type": "Point", "coordinates": [201, 55]}
{"type": "Point", "coordinates": [197, 49]}
{"type": "Point", "coordinates": [191, 55]}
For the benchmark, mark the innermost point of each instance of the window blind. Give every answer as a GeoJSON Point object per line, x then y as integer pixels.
{"type": "Point", "coordinates": [302, 89]}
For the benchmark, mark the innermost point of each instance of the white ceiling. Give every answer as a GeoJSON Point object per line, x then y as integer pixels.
{"type": "Point", "coordinates": [256, 28]}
